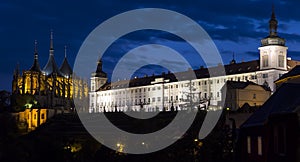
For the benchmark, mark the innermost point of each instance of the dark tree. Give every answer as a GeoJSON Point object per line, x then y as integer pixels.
{"type": "Point", "coordinates": [4, 100]}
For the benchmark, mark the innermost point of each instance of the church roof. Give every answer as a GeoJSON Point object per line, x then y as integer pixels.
{"type": "Point", "coordinates": [66, 68]}
{"type": "Point", "coordinates": [295, 71]}
{"type": "Point", "coordinates": [285, 100]}
{"type": "Point", "coordinates": [51, 67]}
{"type": "Point", "coordinates": [243, 85]}
{"type": "Point", "coordinates": [36, 66]}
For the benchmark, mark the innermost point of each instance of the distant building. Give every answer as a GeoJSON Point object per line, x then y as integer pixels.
{"type": "Point", "coordinates": [240, 93]}
{"type": "Point", "coordinates": [30, 119]}
{"type": "Point", "coordinates": [164, 91]}
{"type": "Point", "coordinates": [51, 87]}
{"type": "Point", "coordinates": [271, 134]}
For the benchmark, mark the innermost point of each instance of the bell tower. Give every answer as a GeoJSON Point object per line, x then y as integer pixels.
{"type": "Point", "coordinates": [98, 78]}
{"type": "Point", "coordinates": [273, 52]}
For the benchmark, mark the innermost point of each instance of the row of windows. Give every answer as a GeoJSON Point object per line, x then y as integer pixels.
{"type": "Point", "coordinates": [279, 142]}
{"type": "Point", "coordinates": [34, 116]}
{"type": "Point", "coordinates": [236, 78]}
{"type": "Point", "coordinates": [259, 145]}
{"type": "Point", "coordinates": [265, 61]}
{"type": "Point", "coordinates": [166, 98]}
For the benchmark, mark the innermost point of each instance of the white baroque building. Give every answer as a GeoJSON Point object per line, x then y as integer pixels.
{"type": "Point", "coordinates": [165, 92]}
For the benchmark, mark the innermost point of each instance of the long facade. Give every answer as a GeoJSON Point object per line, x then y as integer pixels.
{"type": "Point", "coordinates": [165, 92]}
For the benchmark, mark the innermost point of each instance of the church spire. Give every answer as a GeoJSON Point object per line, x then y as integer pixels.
{"type": "Point", "coordinates": [51, 51]}
{"type": "Point", "coordinates": [35, 66]}
{"type": "Point", "coordinates": [233, 60]}
{"type": "Point", "coordinates": [65, 67]}
{"type": "Point", "coordinates": [273, 38]}
{"type": "Point", "coordinates": [273, 23]}
{"type": "Point", "coordinates": [35, 48]}
{"type": "Point", "coordinates": [51, 66]}
{"type": "Point", "coordinates": [65, 51]}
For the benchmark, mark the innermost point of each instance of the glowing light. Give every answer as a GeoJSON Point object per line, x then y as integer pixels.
{"type": "Point", "coordinates": [28, 105]}
{"type": "Point", "coordinates": [120, 147]}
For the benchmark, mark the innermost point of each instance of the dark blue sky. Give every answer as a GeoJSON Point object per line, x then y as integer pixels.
{"type": "Point", "coordinates": [235, 26]}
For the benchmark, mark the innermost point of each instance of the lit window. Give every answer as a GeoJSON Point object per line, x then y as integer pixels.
{"type": "Point", "coordinates": [248, 144]}
{"type": "Point", "coordinates": [265, 62]}
{"type": "Point", "coordinates": [280, 61]}
{"type": "Point", "coordinates": [259, 145]}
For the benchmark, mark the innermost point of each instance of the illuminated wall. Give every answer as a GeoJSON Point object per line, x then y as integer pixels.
{"type": "Point", "coordinates": [33, 117]}
{"type": "Point", "coordinates": [41, 86]}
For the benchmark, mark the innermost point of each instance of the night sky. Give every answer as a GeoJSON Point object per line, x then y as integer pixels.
{"type": "Point", "coordinates": [235, 26]}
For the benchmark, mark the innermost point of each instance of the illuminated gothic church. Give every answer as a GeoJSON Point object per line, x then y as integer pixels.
{"type": "Point", "coordinates": [50, 87]}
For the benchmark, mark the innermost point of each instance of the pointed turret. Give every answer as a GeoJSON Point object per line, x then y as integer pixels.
{"type": "Point", "coordinates": [273, 38]}
{"type": "Point", "coordinates": [36, 65]}
{"type": "Point", "coordinates": [51, 66]}
{"type": "Point", "coordinates": [99, 72]}
{"type": "Point", "coordinates": [273, 52]}
{"type": "Point", "coordinates": [273, 23]}
{"type": "Point", "coordinates": [65, 67]}
{"type": "Point", "coordinates": [99, 78]}
{"type": "Point", "coordinates": [233, 60]}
